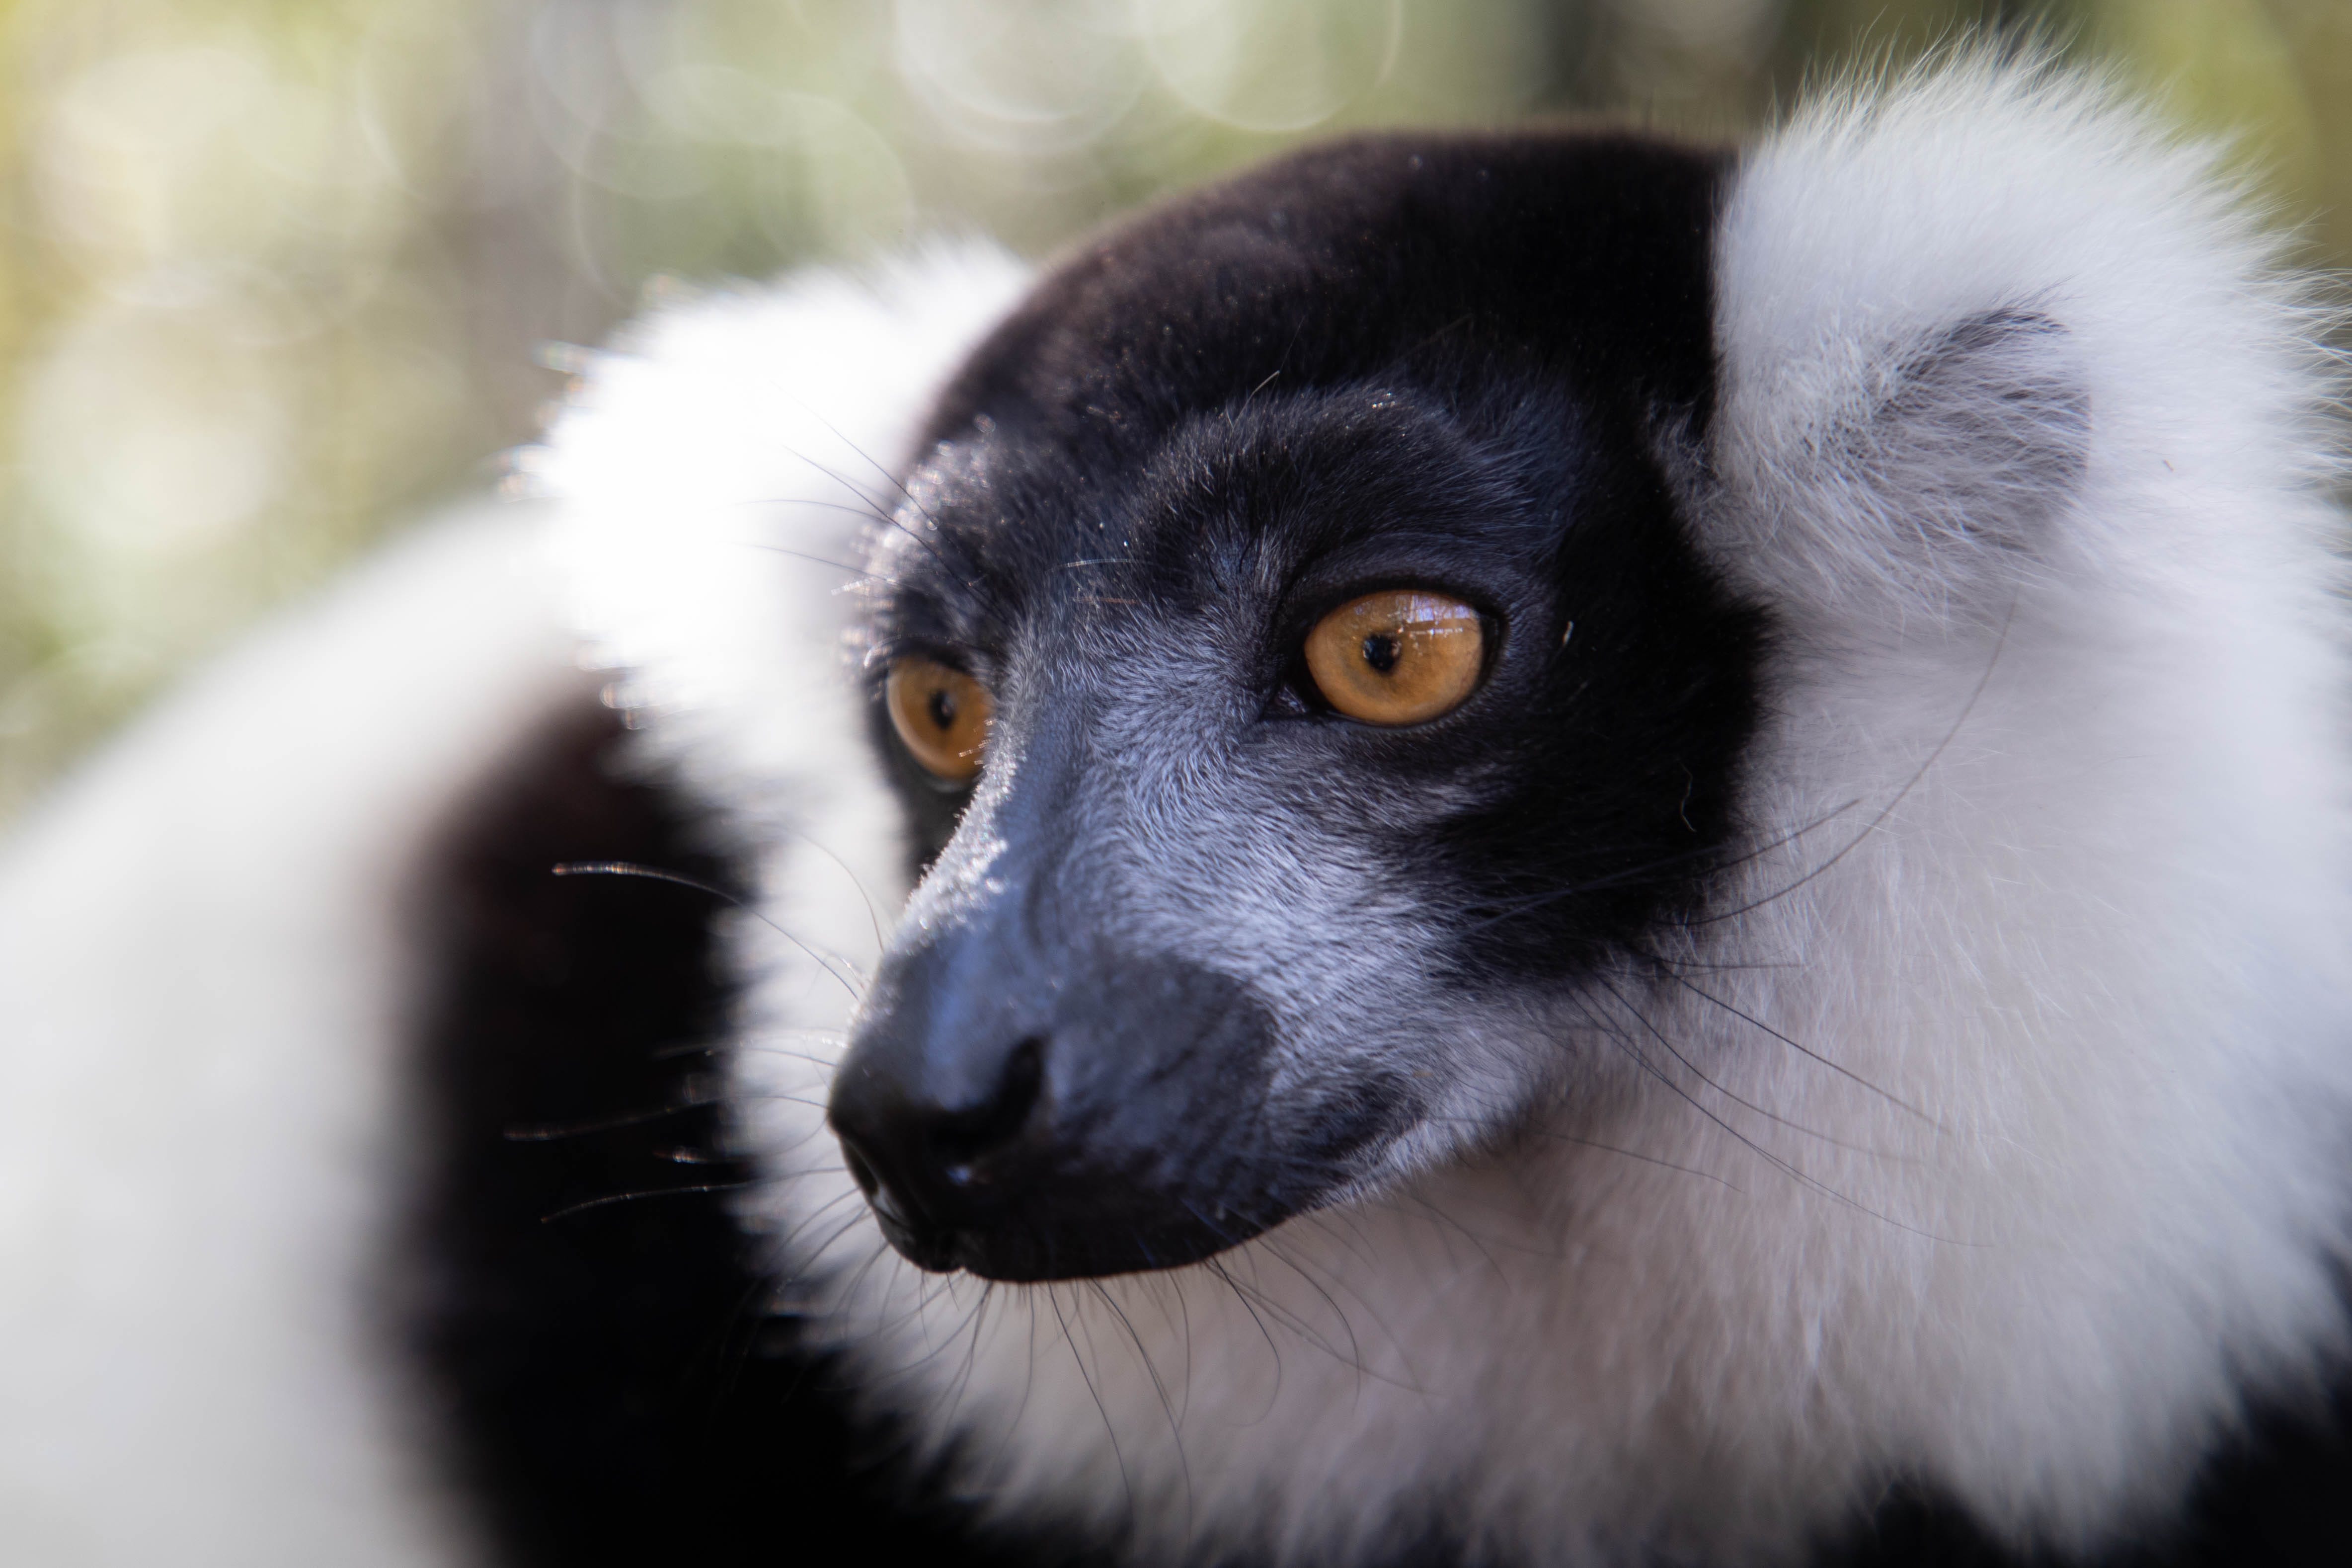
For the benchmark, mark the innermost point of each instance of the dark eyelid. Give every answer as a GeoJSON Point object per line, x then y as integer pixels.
{"type": "Point", "coordinates": [887, 650]}
{"type": "Point", "coordinates": [1315, 585]}
{"type": "Point", "coordinates": [1304, 609]}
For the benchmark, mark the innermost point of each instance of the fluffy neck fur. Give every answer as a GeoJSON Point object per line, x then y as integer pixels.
{"type": "Point", "coordinates": [1993, 1135]}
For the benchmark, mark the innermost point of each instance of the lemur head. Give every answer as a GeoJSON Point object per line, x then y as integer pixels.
{"type": "Point", "coordinates": [1296, 661]}
{"type": "Point", "coordinates": [1693, 800]}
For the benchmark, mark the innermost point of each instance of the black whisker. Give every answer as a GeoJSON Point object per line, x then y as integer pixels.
{"type": "Point", "coordinates": [1167, 1406]}
{"type": "Point", "coordinates": [1087, 1378]}
{"type": "Point", "coordinates": [1745, 1104]}
{"type": "Point", "coordinates": [1808, 1051]}
{"type": "Point", "coordinates": [614, 1198]}
{"type": "Point", "coordinates": [1786, 1167]}
{"type": "Point", "coordinates": [1550, 1136]}
{"type": "Point", "coordinates": [1991, 661]}
{"type": "Point", "coordinates": [891, 519]}
{"type": "Point", "coordinates": [872, 915]}
{"type": "Point", "coordinates": [1216, 1266]}
{"type": "Point", "coordinates": [843, 566]}
{"type": "Point", "coordinates": [548, 1134]}
{"type": "Point", "coordinates": [655, 874]}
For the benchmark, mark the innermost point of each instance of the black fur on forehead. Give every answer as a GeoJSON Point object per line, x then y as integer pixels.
{"type": "Point", "coordinates": [1545, 254]}
{"type": "Point", "coordinates": [1441, 361]}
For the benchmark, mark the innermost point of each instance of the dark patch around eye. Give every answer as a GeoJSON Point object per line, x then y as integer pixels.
{"type": "Point", "coordinates": [933, 806]}
{"type": "Point", "coordinates": [1528, 310]}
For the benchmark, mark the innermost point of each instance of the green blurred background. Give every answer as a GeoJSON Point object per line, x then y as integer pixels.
{"type": "Point", "coordinates": [278, 275]}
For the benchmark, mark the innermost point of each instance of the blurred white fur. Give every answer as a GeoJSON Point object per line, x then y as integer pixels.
{"type": "Point", "coordinates": [206, 992]}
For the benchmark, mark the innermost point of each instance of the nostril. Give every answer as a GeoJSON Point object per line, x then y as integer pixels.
{"type": "Point", "coordinates": [966, 1135]}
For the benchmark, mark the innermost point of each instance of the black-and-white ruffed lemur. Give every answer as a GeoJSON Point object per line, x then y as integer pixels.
{"type": "Point", "coordinates": [1536, 849]}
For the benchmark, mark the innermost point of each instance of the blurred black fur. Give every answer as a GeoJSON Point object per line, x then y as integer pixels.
{"type": "Point", "coordinates": [609, 1385]}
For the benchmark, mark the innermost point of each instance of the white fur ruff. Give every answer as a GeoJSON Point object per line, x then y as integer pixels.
{"type": "Point", "coordinates": [2049, 880]}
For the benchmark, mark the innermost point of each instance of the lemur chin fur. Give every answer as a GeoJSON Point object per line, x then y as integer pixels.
{"type": "Point", "coordinates": [1853, 1001]}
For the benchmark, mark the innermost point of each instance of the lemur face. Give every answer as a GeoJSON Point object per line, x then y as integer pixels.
{"type": "Point", "coordinates": [1306, 698]}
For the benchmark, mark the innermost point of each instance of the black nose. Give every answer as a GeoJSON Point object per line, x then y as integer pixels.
{"type": "Point", "coordinates": [918, 1145]}
{"type": "Point", "coordinates": [1104, 1116]}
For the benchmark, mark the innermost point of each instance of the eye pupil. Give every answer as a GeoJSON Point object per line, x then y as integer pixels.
{"type": "Point", "coordinates": [941, 708]}
{"type": "Point", "coordinates": [1381, 652]}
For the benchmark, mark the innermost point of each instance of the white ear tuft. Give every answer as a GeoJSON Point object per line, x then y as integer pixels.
{"type": "Point", "coordinates": [1970, 325]}
{"type": "Point", "coordinates": [714, 475]}
{"type": "Point", "coordinates": [1935, 471]}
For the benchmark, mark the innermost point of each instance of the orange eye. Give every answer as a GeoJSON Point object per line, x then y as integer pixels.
{"type": "Point", "coordinates": [941, 713]}
{"type": "Point", "coordinates": [1403, 656]}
